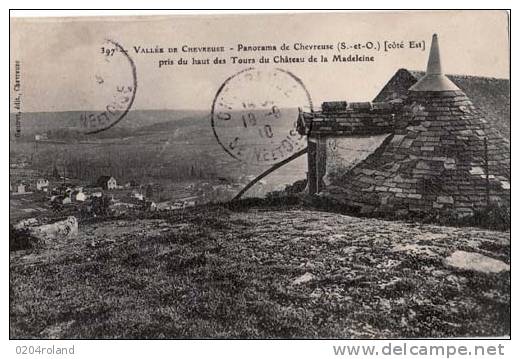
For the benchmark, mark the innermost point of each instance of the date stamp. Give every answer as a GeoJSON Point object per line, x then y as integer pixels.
{"type": "Point", "coordinates": [254, 115]}
{"type": "Point", "coordinates": [114, 84]}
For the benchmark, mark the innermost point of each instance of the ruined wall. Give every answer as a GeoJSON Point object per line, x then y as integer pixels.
{"type": "Point", "coordinates": [342, 135]}
{"type": "Point", "coordinates": [343, 153]}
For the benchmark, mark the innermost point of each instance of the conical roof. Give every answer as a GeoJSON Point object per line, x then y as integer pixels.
{"type": "Point", "coordinates": [443, 156]}
{"type": "Point", "coordinates": [434, 80]}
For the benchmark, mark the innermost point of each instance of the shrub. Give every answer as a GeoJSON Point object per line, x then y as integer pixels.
{"type": "Point", "coordinates": [101, 206]}
{"type": "Point", "coordinates": [20, 239]}
{"type": "Point", "coordinates": [296, 187]}
{"type": "Point", "coordinates": [493, 217]}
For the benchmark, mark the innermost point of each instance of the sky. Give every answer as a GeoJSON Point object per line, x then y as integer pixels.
{"type": "Point", "coordinates": [60, 57]}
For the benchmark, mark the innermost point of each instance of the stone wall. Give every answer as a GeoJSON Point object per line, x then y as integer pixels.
{"type": "Point", "coordinates": [343, 153]}
{"type": "Point", "coordinates": [358, 119]}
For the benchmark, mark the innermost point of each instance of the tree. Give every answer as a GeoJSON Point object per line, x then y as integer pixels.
{"type": "Point", "coordinates": [101, 205]}
{"type": "Point", "coordinates": [149, 191]}
{"type": "Point", "coordinates": [55, 172]}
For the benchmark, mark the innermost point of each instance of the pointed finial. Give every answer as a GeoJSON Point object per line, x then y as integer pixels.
{"type": "Point", "coordinates": [434, 61]}
{"type": "Point", "coordinates": [434, 80]}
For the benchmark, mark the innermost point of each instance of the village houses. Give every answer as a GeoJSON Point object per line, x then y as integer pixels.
{"type": "Point", "coordinates": [107, 182]}
{"type": "Point", "coordinates": [42, 184]}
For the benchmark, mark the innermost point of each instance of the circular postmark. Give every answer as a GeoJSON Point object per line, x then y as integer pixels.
{"type": "Point", "coordinates": [113, 84]}
{"type": "Point", "coordinates": [254, 115]}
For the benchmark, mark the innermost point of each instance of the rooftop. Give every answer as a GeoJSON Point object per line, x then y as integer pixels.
{"type": "Point", "coordinates": [434, 80]}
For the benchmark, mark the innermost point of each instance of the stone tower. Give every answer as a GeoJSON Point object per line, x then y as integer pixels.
{"type": "Point", "coordinates": [442, 156]}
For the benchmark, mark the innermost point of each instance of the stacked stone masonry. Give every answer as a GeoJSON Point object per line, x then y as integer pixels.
{"type": "Point", "coordinates": [355, 120]}
{"type": "Point", "coordinates": [435, 159]}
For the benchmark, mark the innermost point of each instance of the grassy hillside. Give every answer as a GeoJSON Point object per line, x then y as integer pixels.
{"type": "Point", "coordinates": [258, 273]}
{"type": "Point", "coordinates": [40, 122]}
{"type": "Point", "coordinates": [167, 146]}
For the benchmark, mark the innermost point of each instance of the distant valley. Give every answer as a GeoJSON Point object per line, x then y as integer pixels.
{"type": "Point", "coordinates": [148, 146]}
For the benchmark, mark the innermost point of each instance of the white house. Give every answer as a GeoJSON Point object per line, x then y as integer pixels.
{"type": "Point", "coordinates": [40, 137]}
{"type": "Point", "coordinates": [79, 196]}
{"type": "Point", "coordinates": [42, 184]}
{"type": "Point", "coordinates": [189, 203]}
{"type": "Point", "coordinates": [107, 182]}
{"type": "Point", "coordinates": [138, 196]}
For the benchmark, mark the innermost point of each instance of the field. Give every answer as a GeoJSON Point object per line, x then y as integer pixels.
{"type": "Point", "coordinates": [148, 146]}
{"type": "Point", "coordinates": [216, 272]}
{"type": "Point", "coordinates": [28, 205]}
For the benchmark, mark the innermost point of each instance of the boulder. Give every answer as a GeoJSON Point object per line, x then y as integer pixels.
{"type": "Point", "coordinates": [61, 229]}
{"type": "Point", "coordinates": [475, 262]}
{"type": "Point", "coordinates": [307, 277]}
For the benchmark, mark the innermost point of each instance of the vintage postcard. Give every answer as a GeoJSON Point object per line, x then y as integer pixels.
{"type": "Point", "coordinates": [290, 175]}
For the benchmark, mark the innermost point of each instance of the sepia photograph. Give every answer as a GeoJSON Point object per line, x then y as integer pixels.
{"type": "Point", "coordinates": [313, 175]}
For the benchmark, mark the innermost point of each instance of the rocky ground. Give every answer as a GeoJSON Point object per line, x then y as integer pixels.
{"type": "Point", "coordinates": [262, 273]}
